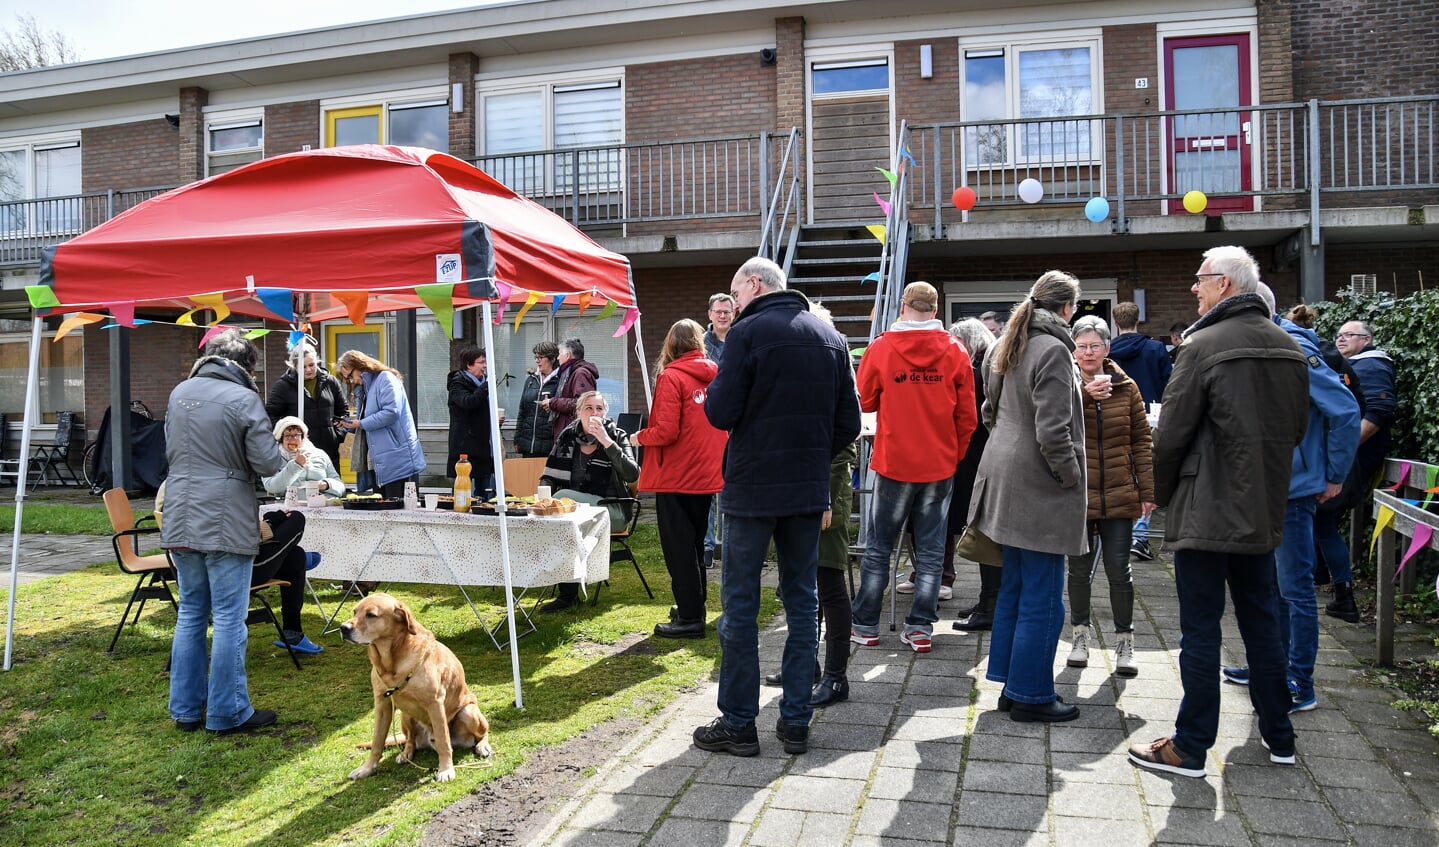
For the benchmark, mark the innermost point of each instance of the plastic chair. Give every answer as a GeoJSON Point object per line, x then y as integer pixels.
{"type": "Point", "coordinates": [54, 459]}
{"type": "Point", "coordinates": [154, 571]}
{"type": "Point", "coordinates": [522, 476]}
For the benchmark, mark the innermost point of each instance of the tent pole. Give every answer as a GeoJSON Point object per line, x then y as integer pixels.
{"type": "Point", "coordinates": [31, 380]}
{"type": "Point", "coordinates": [497, 454]}
{"type": "Point", "coordinates": [644, 368]}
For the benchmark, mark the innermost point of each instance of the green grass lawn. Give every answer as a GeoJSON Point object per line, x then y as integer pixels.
{"type": "Point", "coordinates": [58, 519]}
{"type": "Point", "coordinates": [89, 755]}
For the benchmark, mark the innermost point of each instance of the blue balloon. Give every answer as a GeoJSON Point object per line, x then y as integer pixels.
{"type": "Point", "coordinates": [1097, 209]}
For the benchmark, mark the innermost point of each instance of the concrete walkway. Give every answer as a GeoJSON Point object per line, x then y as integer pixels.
{"type": "Point", "coordinates": [919, 756]}
{"type": "Point", "coordinates": [51, 555]}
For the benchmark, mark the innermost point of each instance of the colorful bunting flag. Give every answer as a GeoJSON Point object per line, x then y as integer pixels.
{"type": "Point", "coordinates": [529, 303]}
{"type": "Point", "coordinates": [908, 156]}
{"type": "Point", "coordinates": [878, 231]}
{"type": "Point", "coordinates": [296, 337]}
{"type": "Point", "coordinates": [355, 304]}
{"type": "Point", "coordinates": [871, 277]}
{"type": "Point", "coordinates": [439, 297]}
{"type": "Point", "coordinates": [77, 319]}
{"type": "Point", "coordinates": [42, 297]}
{"type": "Point", "coordinates": [281, 301]}
{"type": "Point", "coordinates": [631, 315]}
{"type": "Point", "coordinates": [555, 306]}
{"type": "Point", "coordinates": [883, 203]}
{"type": "Point", "coordinates": [256, 333]}
{"type": "Point", "coordinates": [503, 290]}
{"type": "Point", "coordinates": [1422, 535]}
{"type": "Point", "coordinates": [609, 309]}
{"type": "Point", "coordinates": [214, 302]}
{"type": "Point", "coordinates": [214, 330]}
{"type": "Point", "coordinates": [585, 299]}
{"type": "Point", "coordinates": [123, 312]}
{"type": "Point", "coordinates": [1382, 521]}
{"type": "Point", "coordinates": [888, 174]}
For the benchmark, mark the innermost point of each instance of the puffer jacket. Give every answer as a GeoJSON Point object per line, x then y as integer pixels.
{"type": "Point", "coordinates": [218, 441]}
{"type": "Point", "coordinates": [1117, 449]}
{"type": "Point", "coordinates": [684, 451]}
{"type": "Point", "coordinates": [323, 410]}
{"type": "Point", "coordinates": [533, 434]}
{"type": "Point", "coordinates": [317, 467]}
{"type": "Point", "coordinates": [1235, 408]}
{"type": "Point", "coordinates": [393, 443]}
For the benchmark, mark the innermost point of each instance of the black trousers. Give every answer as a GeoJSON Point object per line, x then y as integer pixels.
{"type": "Point", "coordinates": [681, 519]}
{"type": "Point", "coordinates": [837, 613]}
{"type": "Point", "coordinates": [283, 558]}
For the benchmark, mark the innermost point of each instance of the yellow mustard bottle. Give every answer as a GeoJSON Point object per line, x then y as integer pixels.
{"type": "Point", "coordinates": [462, 483]}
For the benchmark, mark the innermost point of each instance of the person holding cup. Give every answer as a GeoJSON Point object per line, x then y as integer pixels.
{"type": "Point", "coordinates": [1120, 482]}
{"type": "Point", "coordinates": [469, 400]}
{"type": "Point", "coordinates": [305, 464]}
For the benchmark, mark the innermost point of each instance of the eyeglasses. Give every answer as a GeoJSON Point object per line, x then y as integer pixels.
{"type": "Point", "coordinates": [289, 435]}
{"type": "Point", "coordinates": [1200, 277]}
{"type": "Point", "coordinates": [1091, 348]}
{"type": "Point", "coordinates": [1344, 335]}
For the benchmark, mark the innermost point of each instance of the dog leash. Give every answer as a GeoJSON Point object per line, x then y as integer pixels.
{"type": "Point", "coordinates": [406, 681]}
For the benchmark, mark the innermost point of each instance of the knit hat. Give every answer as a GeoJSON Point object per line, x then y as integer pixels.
{"type": "Point", "coordinates": [288, 421]}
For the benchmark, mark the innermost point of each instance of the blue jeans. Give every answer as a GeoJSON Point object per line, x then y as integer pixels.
{"type": "Point", "coordinates": [1299, 613]}
{"type": "Point", "coordinates": [1028, 617]}
{"type": "Point", "coordinates": [1199, 579]}
{"type": "Point", "coordinates": [926, 506]}
{"type": "Point", "coordinates": [212, 586]}
{"type": "Point", "coordinates": [746, 541]}
{"type": "Point", "coordinates": [1333, 550]}
{"type": "Point", "coordinates": [1141, 527]}
{"type": "Point", "coordinates": [710, 525]}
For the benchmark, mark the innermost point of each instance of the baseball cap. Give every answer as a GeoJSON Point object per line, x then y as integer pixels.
{"type": "Point", "coordinates": [921, 297]}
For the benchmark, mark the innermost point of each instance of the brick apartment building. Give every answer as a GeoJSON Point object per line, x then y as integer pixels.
{"type": "Point", "coordinates": [690, 136]}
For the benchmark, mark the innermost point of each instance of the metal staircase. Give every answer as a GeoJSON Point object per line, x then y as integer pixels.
{"type": "Point", "coordinates": [830, 264]}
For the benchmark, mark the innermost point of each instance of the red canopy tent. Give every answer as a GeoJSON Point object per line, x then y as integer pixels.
{"type": "Point", "coordinates": [341, 230]}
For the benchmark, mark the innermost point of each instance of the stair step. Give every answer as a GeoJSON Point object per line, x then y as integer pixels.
{"type": "Point", "coordinates": [845, 298]}
{"type": "Point", "coordinates": [844, 242]}
{"type": "Point", "coordinates": [811, 280]}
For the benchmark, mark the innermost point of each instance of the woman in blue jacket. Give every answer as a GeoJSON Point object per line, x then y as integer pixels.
{"type": "Point", "coordinates": [386, 443]}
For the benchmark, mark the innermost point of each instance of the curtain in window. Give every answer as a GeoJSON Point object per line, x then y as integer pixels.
{"type": "Point", "coordinates": [1055, 83]}
{"type": "Point", "coordinates": [588, 116]}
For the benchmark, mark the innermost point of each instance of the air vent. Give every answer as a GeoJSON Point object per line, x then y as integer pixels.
{"type": "Point", "coordinates": [1362, 284]}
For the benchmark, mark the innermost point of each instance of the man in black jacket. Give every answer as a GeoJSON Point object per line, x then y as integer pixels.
{"type": "Point", "coordinates": [786, 394]}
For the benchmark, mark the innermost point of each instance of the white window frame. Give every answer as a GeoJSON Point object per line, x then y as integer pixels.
{"type": "Point", "coordinates": [1012, 48]}
{"type": "Point", "coordinates": [409, 98]}
{"type": "Point", "coordinates": [29, 146]}
{"type": "Point", "coordinates": [233, 120]}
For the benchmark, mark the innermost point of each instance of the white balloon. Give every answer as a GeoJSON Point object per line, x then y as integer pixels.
{"type": "Point", "coordinates": [1030, 191]}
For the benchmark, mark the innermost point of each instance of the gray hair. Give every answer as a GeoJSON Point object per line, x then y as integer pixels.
{"type": "Point", "coordinates": [1237, 264]}
{"type": "Point", "coordinates": [771, 277]}
{"type": "Point", "coordinates": [575, 346]}
{"type": "Point", "coordinates": [306, 350]}
{"type": "Point", "coordinates": [1267, 295]}
{"type": "Point", "coordinates": [974, 335]}
{"type": "Point", "coordinates": [233, 345]}
{"type": "Point", "coordinates": [1090, 323]}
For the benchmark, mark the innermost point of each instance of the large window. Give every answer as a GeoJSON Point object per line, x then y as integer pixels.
{"type": "Point", "coordinates": [36, 171]}
{"type": "Point", "coordinates": [232, 141]}
{"type": "Point", "coordinates": [62, 372]}
{"type": "Point", "coordinates": [408, 120]}
{"type": "Point", "coordinates": [1007, 82]}
{"type": "Point", "coordinates": [520, 122]}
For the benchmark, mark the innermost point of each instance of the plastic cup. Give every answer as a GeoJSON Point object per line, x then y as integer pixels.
{"type": "Point", "coordinates": [543, 492]}
{"type": "Point", "coordinates": [1102, 380]}
{"type": "Point", "coordinates": [432, 501]}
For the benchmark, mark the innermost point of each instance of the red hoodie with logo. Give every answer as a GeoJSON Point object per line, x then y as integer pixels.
{"type": "Point", "coordinates": [683, 452]}
{"type": "Point", "coordinates": [920, 380]}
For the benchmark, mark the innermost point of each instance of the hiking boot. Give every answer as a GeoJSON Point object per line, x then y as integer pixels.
{"type": "Point", "coordinates": [1342, 606]}
{"type": "Point", "coordinates": [794, 736]}
{"type": "Point", "coordinates": [1162, 755]}
{"type": "Point", "coordinates": [1124, 663]}
{"type": "Point", "coordinates": [918, 640]}
{"type": "Point", "coordinates": [1140, 550]}
{"type": "Point", "coordinates": [718, 737]}
{"type": "Point", "coordinates": [1237, 676]}
{"type": "Point", "coordinates": [1079, 655]}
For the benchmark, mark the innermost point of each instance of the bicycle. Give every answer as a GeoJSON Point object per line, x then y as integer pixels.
{"type": "Point", "coordinates": [87, 466]}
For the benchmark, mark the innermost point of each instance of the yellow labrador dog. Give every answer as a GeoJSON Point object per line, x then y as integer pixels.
{"type": "Point", "coordinates": [410, 669]}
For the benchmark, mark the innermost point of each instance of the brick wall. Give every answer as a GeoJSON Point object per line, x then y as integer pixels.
{"type": "Point", "coordinates": [290, 126]}
{"type": "Point", "coordinates": [698, 98]}
{"type": "Point", "coordinates": [1363, 48]}
{"type": "Point", "coordinates": [463, 67]}
{"type": "Point", "coordinates": [665, 296]}
{"type": "Point", "coordinates": [1397, 268]}
{"type": "Point", "coordinates": [789, 83]}
{"type": "Point", "coordinates": [142, 154]}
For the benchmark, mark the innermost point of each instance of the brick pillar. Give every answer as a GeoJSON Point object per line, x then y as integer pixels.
{"type": "Point", "coordinates": [789, 76]}
{"type": "Point", "coordinates": [191, 159]}
{"type": "Point", "coordinates": [463, 67]}
{"type": "Point", "coordinates": [1276, 52]}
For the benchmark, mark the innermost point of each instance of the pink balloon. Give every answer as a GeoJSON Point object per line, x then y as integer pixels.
{"type": "Point", "coordinates": [964, 198]}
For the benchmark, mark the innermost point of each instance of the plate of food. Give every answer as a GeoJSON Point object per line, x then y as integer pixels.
{"type": "Point", "coordinates": [513, 506]}
{"type": "Point", "coordinates": [550, 506]}
{"type": "Point", "coordinates": [370, 503]}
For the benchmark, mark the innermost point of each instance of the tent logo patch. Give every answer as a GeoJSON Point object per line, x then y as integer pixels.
{"type": "Point", "coordinates": [447, 267]}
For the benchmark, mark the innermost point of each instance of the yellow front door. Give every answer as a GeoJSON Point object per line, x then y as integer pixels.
{"type": "Point", "coordinates": [368, 339]}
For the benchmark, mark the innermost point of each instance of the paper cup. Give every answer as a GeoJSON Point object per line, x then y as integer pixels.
{"type": "Point", "coordinates": [432, 501]}
{"type": "Point", "coordinates": [542, 492]}
{"type": "Point", "coordinates": [1103, 380]}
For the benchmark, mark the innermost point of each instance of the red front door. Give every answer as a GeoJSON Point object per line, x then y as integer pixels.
{"type": "Point", "coordinates": [1209, 151]}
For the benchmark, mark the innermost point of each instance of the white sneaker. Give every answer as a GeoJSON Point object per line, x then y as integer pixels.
{"type": "Point", "coordinates": [905, 587]}
{"type": "Point", "coordinates": [946, 593]}
{"type": "Point", "coordinates": [1079, 656]}
{"type": "Point", "coordinates": [1124, 663]}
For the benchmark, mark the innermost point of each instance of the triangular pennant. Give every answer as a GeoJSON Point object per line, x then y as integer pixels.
{"type": "Point", "coordinates": [256, 333]}
{"type": "Point", "coordinates": [503, 290]}
{"type": "Point", "coordinates": [883, 203]}
{"type": "Point", "coordinates": [555, 306]}
{"type": "Point", "coordinates": [585, 298]}
{"type": "Point", "coordinates": [888, 174]}
{"type": "Point", "coordinates": [1382, 521]}
{"type": "Point", "coordinates": [77, 319]}
{"type": "Point", "coordinates": [123, 312]}
{"type": "Point", "coordinates": [213, 331]}
{"type": "Point", "coordinates": [439, 297]}
{"type": "Point", "coordinates": [355, 304]}
{"type": "Point", "coordinates": [281, 301]}
{"type": "Point", "coordinates": [908, 156]}
{"type": "Point", "coordinates": [295, 337]}
{"type": "Point", "coordinates": [42, 297]}
{"type": "Point", "coordinates": [214, 302]}
{"type": "Point", "coordinates": [609, 309]}
{"type": "Point", "coordinates": [1422, 535]}
{"type": "Point", "coordinates": [1403, 477]}
{"type": "Point", "coordinates": [529, 302]}
{"type": "Point", "coordinates": [631, 315]}
{"type": "Point", "coordinates": [187, 319]}
{"type": "Point", "coordinates": [877, 230]}
{"type": "Point", "coordinates": [872, 277]}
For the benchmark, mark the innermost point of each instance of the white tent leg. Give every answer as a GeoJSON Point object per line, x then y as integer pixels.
{"type": "Point", "coordinates": [644, 368]}
{"type": "Point", "coordinates": [32, 379]}
{"type": "Point", "coordinates": [497, 454]}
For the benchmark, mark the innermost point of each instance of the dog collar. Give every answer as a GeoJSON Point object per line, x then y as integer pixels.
{"type": "Point", "coordinates": [406, 681]}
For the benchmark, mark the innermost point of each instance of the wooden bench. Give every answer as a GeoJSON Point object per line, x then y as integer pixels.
{"type": "Point", "coordinates": [1415, 477]}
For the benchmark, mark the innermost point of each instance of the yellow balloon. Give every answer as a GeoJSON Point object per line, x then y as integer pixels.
{"type": "Point", "coordinates": [1195, 202]}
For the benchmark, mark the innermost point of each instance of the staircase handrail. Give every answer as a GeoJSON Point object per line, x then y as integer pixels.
{"type": "Point", "coordinates": [781, 220]}
{"type": "Point", "coordinates": [894, 252]}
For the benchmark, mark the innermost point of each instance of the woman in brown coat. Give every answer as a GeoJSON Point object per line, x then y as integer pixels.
{"type": "Point", "coordinates": [1121, 488]}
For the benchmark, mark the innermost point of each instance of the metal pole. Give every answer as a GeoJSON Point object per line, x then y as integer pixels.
{"type": "Point", "coordinates": [31, 380]}
{"type": "Point", "coordinates": [1314, 172]}
{"type": "Point", "coordinates": [498, 456]}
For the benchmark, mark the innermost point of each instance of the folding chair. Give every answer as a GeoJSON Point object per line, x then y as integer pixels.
{"type": "Point", "coordinates": [266, 613]}
{"type": "Point", "coordinates": [9, 468]}
{"type": "Point", "coordinates": [154, 571]}
{"type": "Point", "coordinates": [620, 538]}
{"type": "Point", "coordinates": [54, 459]}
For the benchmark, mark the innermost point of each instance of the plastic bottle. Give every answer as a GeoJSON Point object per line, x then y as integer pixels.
{"type": "Point", "coordinates": [463, 486]}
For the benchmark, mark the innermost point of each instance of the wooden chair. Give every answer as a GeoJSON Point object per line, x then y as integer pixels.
{"type": "Point", "coordinates": [620, 537]}
{"type": "Point", "coordinates": [522, 476]}
{"type": "Point", "coordinates": [154, 571]}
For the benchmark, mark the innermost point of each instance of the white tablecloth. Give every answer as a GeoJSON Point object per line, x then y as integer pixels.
{"type": "Point", "coordinates": [450, 548]}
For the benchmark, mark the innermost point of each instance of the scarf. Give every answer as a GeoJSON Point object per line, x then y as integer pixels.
{"type": "Point", "coordinates": [1226, 308]}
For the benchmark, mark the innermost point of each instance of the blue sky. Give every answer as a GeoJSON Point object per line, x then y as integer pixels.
{"type": "Point", "coordinates": [102, 30]}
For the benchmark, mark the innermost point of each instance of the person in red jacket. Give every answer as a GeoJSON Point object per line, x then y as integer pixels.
{"type": "Point", "coordinates": [919, 380]}
{"type": "Point", "coordinates": [682, 468]}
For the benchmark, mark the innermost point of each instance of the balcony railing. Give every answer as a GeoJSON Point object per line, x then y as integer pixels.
{"type": "Point", "coordinates": [1300, 156]}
